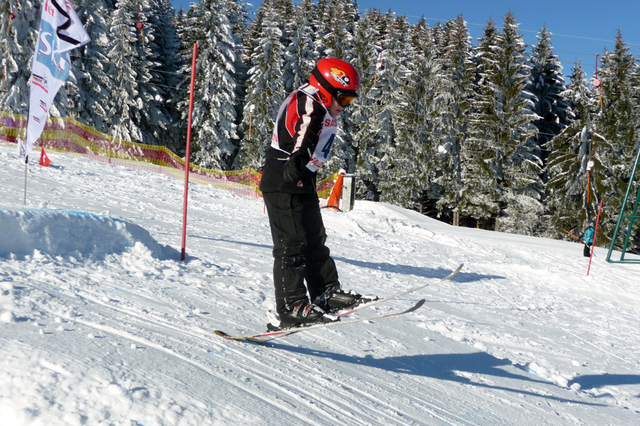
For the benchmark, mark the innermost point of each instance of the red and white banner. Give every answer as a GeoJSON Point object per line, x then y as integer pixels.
{"type": "Point", "coordinates": [60, 32]}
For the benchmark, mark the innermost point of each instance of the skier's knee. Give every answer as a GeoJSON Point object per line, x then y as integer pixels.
{"type": "Point", "coordinates": [294, 261]}
{"type": "Point", "coordinates": [293, 254]}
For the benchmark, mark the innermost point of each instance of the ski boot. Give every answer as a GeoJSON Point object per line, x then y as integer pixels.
{"type": "Point", "coordinates": [301, 314]}
{"type": "Point", "coordinates": [334, 299]}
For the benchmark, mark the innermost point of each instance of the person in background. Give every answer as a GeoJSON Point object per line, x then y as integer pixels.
{"type": "Point", "coordinates": [305, 276]}
{"type": "Point", "coordinates": [588, 239]}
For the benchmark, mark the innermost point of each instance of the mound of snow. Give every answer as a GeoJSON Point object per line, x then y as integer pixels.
{"type": "Point", "coordinates": [70, 233]}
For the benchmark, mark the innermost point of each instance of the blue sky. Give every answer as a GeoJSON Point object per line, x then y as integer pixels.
{"type": "Point", "coordinates": [581, 29]}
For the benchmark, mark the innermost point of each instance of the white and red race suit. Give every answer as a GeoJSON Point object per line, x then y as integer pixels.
{"type": "Point", "coordinates": [303, 124]}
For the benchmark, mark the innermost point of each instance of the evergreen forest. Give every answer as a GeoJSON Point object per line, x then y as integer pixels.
{"type": "Point", "coordinates": [484, 133]}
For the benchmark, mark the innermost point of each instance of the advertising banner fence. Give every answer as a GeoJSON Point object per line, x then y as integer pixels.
{"type": "Point", "coordinates": [64, 134]}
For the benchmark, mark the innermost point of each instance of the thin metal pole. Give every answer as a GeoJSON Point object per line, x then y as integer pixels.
{"type": "Point", "coordinates": [26, 163]}
{"type": "Point", "coordinates": [595, 234]}
{"type": "Point", "coordinates": [188, 153]}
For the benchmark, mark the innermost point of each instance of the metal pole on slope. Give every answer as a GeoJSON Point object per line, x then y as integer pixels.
{"type": "Point", "coordinates": [26, 166]}
{"type": "Point", "coordinates": [578, 238]}
{"type": "Point", "coordinates": [595, 233]}
{"type": "Point", "coordinates": [573, 235]}
{"type": "Point", "coordinates": [188, 153]}
{"type": "Point", "coordinates": [22, 149]}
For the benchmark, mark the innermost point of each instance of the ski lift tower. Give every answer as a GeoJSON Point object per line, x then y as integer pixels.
{"type": "Point", "coordinates": [633, 217]}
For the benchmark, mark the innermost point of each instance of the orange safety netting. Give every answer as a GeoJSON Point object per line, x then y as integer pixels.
{"type": "Point", "coordinates": [70, 136]}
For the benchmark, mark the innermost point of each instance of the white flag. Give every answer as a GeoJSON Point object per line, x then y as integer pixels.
{"type": "Point", "coordinates": [60, 32]}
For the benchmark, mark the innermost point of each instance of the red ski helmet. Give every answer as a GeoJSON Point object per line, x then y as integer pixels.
{"type": "Point", "coordinates": [335, 78]}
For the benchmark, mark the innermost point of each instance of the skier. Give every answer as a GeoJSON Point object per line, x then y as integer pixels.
{"type": "Point", "coordinates": [303, 134]}
{"type": "Point", "coordinates": [588, 239]}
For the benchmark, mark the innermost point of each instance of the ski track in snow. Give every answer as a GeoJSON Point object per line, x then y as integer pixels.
{"type": "Point", "coordinates": [124, 334]}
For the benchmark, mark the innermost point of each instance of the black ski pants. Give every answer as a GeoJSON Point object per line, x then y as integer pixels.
{"type": "Point", "coordinates": [299, 251]}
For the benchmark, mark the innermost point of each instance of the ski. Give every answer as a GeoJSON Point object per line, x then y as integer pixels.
{"type": "Point", "coordinates": [272, 335]}
{"type": "Point", "coordinates": [402, 293]}
{"type": "Point", "coordinates": [265, 337]}
{"type": "Point", "coordinates": [346, 312]}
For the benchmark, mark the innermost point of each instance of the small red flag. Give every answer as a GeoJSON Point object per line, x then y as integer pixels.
{"type": "Point", "coordinates": [44, 160]}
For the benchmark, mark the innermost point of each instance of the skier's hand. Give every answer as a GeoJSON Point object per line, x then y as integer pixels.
{"type": "Point", "coordinates": [295, 166]}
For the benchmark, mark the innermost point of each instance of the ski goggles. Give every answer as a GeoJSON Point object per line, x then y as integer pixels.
{"type": "Point", "coordinates": [344, 99]}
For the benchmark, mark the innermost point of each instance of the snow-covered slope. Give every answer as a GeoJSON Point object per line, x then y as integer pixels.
{"type": "Point", "coordinates": [101, 323]}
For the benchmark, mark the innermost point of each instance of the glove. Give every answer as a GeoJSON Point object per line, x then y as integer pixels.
{"type": "Point", "coordinates": [294, 167]}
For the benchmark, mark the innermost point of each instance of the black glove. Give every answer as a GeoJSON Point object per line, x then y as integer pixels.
{"type": "Point", "coordinates": [294, 167]}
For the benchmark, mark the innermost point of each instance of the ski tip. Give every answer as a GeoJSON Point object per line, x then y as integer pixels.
{"type": "Point", "coordinates": [458, 269]}
{"type": "Point", "coordinates": [221, 334]}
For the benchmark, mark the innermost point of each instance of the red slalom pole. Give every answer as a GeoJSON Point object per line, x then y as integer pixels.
{"type": "Point", "coordinates": [188, 154]}
{"type": "Point", "coordinates": [595, 233]}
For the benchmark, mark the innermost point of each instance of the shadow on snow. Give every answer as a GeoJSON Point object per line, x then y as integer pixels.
{"type": "Point", "coordinates": [419, 271]}
{"type": "Point", "coordinates": [450, 367]}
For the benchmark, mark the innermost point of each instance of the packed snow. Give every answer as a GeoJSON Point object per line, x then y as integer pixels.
{"type": "Point", "coordinates": [102, 324]}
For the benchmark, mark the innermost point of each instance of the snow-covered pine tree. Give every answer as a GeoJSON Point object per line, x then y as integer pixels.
{"type": "Point", "coordinates": [153, 118]}
{"type": "Point", "coordinates": [251, 44]}
{"type": "Point", "coordinates": [568, 162]}
{"type": "Point", "coordinates": [265, 87]}
{"type": "Point", "coordinates": [457, 92]}
{"type": "Point", "coordinates": [365, 54]}
{"type": "Point", "coordinates": [133, 112]}
{"type": "Point", "coordinates": [421, 40]}
{"type": "Point", "coordinates": [340, 44]}
{"type": "Point", "coordinates": [518, 165]}
{"type": "Point", "coordinates": [377, 153]}
{"type": "Point", "coordinates": [17, 43]}
{"type": "Point", "coordinates": [322, 27]}
{"type": "Point", "coordinates": [214, 115]}
{"type": "Point", "coordinates": [285, 10]}
{"type": "Point", "coordinates": [340, 21]}
{"type": "Point", "coordinates": [238, 13]}
{"type": "Point", "coordinates": [166, 47]}
{"type": "Point", "coordinates": [180, 96]}
{"type": "Point", "coordinates": [437, 38]}
{"type": "Point", "coordinates": [300, 56]}
{"type": "Point", "coordinates": [253, 35]}
{"type": "Point", "coordinates": [479, 198]}
{"type": "Point", "coordinates": [618, 123]}
{"type": "Point", "coordinates": [410, 172]}
{"type": "Point", "coordinates": [546, 84]}
{"type": "Point", "coordinates": [92, 91]}
{"type": "Point", "coordinates": [514, 158]}
{"type": "Point", "coordinates": [299, 52]}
